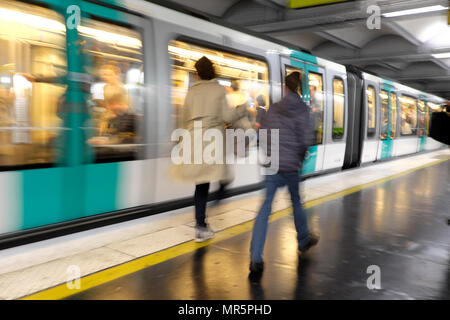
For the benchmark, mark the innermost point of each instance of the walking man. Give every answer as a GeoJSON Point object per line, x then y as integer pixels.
{"type": "Point", "coordinates": [291, 117]}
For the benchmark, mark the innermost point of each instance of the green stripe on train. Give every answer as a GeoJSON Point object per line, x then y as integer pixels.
{"type": "Point", "coordinates": [309, 164]}
{"type": "Point", "coordinates": [61, 194]}
{"type": "Point", "coordinates": [76, 188]}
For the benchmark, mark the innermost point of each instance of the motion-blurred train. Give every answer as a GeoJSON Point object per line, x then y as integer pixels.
{"type": "Point", "coordinates": [89, 93]}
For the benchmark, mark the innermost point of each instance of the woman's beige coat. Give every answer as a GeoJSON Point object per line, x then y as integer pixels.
{"type": "Point", "coordinates": [205, 102]}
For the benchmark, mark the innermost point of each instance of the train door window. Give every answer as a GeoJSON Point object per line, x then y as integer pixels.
{"type": "Point", "coordinates": [338, 109]}
{"type": "Point", "coordinates": [408, 115]}
{"type": "Point", "coordinates": [393, 98]}
{"type": "Point", "coordinates": [315, 81]}
{"type": "Point", "coordinates": [114, 57]}
{"type": "Point", "coordinates": [384, 114]}
{"type": "Point", "coordinates": [245, 79]}
{"type": "Point", "coordinates": [32, 70]}
{"type": "Point", "coordinates": [371, 113]}
{"type": "Point", "coordinates": [421, 118]}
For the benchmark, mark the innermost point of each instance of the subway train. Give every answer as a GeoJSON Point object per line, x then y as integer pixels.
{"type": "Point", "coordinates": [89, 97]}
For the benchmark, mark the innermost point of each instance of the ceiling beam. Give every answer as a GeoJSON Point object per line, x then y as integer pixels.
{"type": "Point", "coordinates": [398, 56]}
{"type": "Point", "coordinates": [402, 32]}
{"type": "Point", "coordinates": [270, 4]}
{"type": "Point", "coordinates": [337, 40]}
{"type": "Point", "coordinates": [424, 77]}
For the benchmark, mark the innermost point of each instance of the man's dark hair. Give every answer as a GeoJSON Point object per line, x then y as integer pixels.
{"type": "Point", "coordinates": [261, 100]}
{"type": "Point", "coordinates": [293, 81]}
{"type": "Point", "coordinates": [205, 69]}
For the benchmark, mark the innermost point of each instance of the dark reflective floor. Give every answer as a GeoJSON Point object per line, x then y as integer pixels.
{"type": "Point", "coordinates": [400, 226]}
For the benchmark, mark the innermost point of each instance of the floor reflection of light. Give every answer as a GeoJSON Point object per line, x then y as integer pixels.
{"type": "Point", "coordinates": [379, 209]}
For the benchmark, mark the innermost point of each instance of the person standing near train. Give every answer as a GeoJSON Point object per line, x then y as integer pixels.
{"type": "Point", "coordinates": [291, 117]}
{"type": "Point", "coordinates": [205, 103]}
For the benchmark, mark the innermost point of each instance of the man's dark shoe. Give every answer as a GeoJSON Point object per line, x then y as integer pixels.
{"type": "Point", "coordinates": [312, 241]}
{"type": "Point", "coordinates": [256, 267]}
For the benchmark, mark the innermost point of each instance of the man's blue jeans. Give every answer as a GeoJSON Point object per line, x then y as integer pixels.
{"type": "Point", "coordinates": [272, 183]}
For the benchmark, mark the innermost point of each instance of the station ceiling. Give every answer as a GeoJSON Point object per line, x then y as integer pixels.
{"type": "Point", "coordinates": [412, 47]}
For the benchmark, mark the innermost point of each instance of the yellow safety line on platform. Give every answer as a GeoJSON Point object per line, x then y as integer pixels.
{"type": "Point", "coordinates": [100, 277]}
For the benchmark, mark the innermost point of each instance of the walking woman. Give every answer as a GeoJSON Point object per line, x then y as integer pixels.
{"type": "Point", "coordinates": [205, 107]}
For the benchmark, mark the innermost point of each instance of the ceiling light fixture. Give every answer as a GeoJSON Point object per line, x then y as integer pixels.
{"type": "Point", "coordinates": [414, 11]}
{"type": "Point", "coordinates": [444, 55]}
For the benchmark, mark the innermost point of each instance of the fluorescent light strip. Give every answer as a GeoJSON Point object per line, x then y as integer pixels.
{"type": "Point", "coordinates": [197, 55]}
{"type": "Point", "coordinates": [414, 11]}
{"type": "Point", "coordinates": [444, 55]}
{"type": "Point", "coordinates": [53, 25]}
{"type": "Point", "coordinates": [110, 37]}
{"type": "Point", "coordinates": [31, 20]}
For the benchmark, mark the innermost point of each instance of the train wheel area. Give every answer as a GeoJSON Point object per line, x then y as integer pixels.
{"type": "Point", "coordinates": [387, 220]}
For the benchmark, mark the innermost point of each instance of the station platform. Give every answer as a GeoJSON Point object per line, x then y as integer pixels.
{"type": "Point", "coordinates": [391, 215]}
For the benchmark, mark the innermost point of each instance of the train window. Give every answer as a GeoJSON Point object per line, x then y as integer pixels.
{"type": "Point", "coordinates": [393, 97]}
{"type": "Point", "coordinates": [421, 117]}
{"type": "Point", "coordinates": [384, 114]}
{"type": "Point", "coordinates": [371, 113]}
{"type": "Point", "coordinates": [338, 109]}
{"type": "Point", "coordinates": [245, 79]}
{"type": "Point", "coordinates": [33, 49]}
{"type": "Point", "coordinates": [316, 103]}
{"type": "Point", "coordinates": [115, 62]}
{"type": "Point", "coordinates": [408, 115]}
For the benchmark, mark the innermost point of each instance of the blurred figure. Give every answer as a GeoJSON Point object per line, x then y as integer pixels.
{"type": "Point", "coordinates": [406, 127]}
{"type": "Point", "coordinates": [291, 117]}
{"type": "Point", "coordinates": [260, 109]}
{"type": "Point", "coordinates": [316, 113]}
{"type": "Point", "coordinates": [111, 87]}
{"type": "Point", "coordinates": [117, 124]}
{"type": "Point", "coordinates": [120, 127]}
{"type": "Point", "coordinates": [6, 120]}
{"type": "Point", "coordinates": [205, 102]}
{"type": "Point", "coordinates": [237, 98]}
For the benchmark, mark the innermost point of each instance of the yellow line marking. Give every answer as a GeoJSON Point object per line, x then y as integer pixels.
{"type": "Point", "coordinates": [100, 277]}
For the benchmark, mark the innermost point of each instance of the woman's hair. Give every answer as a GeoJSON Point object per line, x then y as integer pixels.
{"type": "Point", "coordinates": [205, 69]}
{"type": "Point", "coordinates": [293, 81]}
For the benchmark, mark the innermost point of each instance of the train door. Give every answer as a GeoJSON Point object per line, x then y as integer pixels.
{"type": "Point", "coordinates": [119, 135]}
{"type": "Point", "coordinates": [370, 105]}
{"type": "Point", "coordinates": [313, 93]}
{"type": "Point", "coordinates": [388, 124]}
{"type": "Point", "coordinates": [336, 121]}
{"type": "Point", "coordinates": [421, 125]}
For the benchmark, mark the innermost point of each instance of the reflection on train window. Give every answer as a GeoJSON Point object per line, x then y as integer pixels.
{"type": "Point", "coordinates": [116, 106]}
{"type": "Point", "coordinates": [393, 99]}
{"type": "Point", "coordinates": [32, 70]}
{"type": "Point", "coordinates": [384, 114]}
{"type": "Point", "coordinates": [289, 70]}
{"type": "Point", "coordinates": [421, 117]}
{"type": "Point", "coordinates": [316, 104]}
{"type": "Point", "coordinates": [371, 113]}
{"type": "Point", "coordinates": [408, 115]}
{"type": "Point", "coordinates": [245, 79]}
{"type": "Point", "coordinates": [338, 109]}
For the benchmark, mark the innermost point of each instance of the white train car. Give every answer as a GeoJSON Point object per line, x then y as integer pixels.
{"type": "Point", "coordinates": [66, 161]}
